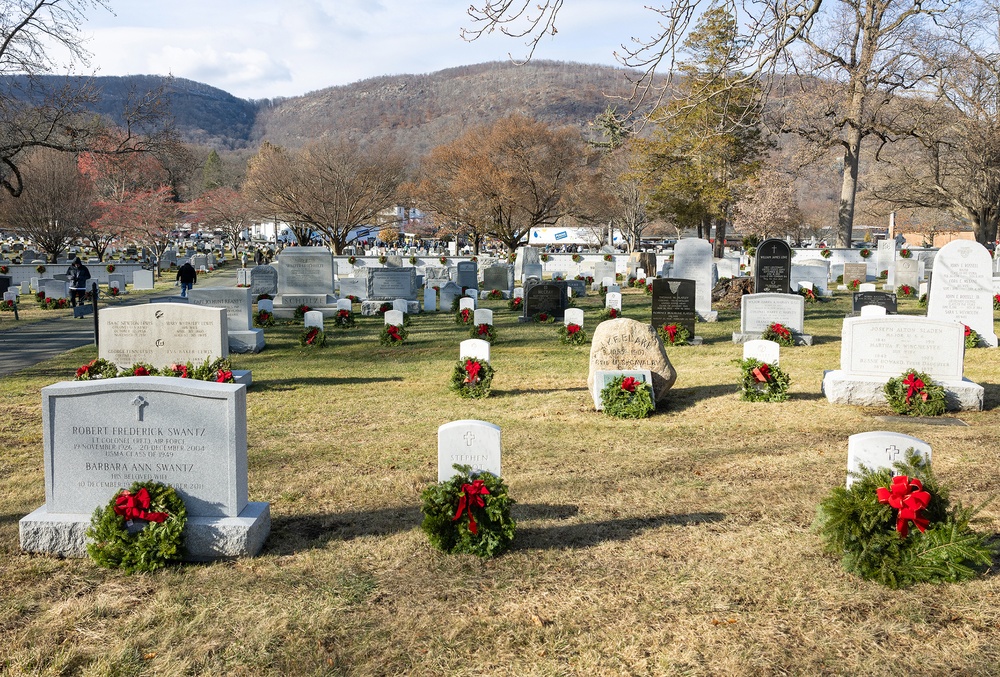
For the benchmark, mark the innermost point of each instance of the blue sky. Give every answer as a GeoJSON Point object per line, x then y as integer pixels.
{"type": "Point", "coordinates": [256, 49]}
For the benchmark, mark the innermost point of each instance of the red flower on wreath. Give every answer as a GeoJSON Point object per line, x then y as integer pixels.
{"type": "Point", "coordinates": [781, 330]}
{"type": "Point", "coordinates": [140, 371]}
{"type": "Point", "coordinates": [612, 313]}
{"type": "Point", "coordinates": [84, 370]}
{"type": "Point", "coordinates": [629, 383]}
{"type": "Point", "coordinates": [483, 329]}
{"type": "Point", "coordinates": [304, 309]}
{"type": "Point", "coordinates": [996, 298]}
{"type": "Point", "coordinates": [136, 506]}
{"type": "Point", "coordinates": [343, 314]}
{"type": "Point", "coordinates": [906, 289]}
{"type": "Point", "coordinates": [572, 328]}
{"type": "Point", "coordinates": [9, 303]}
{"type": "Point", "coordinates": [516, 303]}
{"type": "Point", "coordinates": [968, 330]}
{"type": "Point", "coordinates": [179, 370]}
{"type": "Point", "coordinates": [914, 386]}
{"type": "Point", "coordinates": [906, 495]}
{"type": "Point", "coordinates": [466, 313]}
{"type": "Point", "coordinates": [472, 369]}
{"type": "Point", "coordinates": [224, 376]}
{"type": "Point", "coordinates": [472, 496]}
{"type": "Point", "coordinates": [543, 317]}
{"type": "Point", "coordinates": [393, 332]}
{"type": "Point", "coordinates": [311, 336]}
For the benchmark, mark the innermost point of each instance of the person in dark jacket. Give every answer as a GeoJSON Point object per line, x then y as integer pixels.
{"type": "Point", "coordinates": [187, 276]}
{"type": "Point", "coordinates": [79, 275]}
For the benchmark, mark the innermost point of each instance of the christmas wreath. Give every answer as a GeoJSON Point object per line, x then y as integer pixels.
{"type": "Point", "coordinates": [117, 541]}
{"type": "Point", "coordinates": [808, 294]}
{"type": "Point", "coordinates": [972, 338]}
{"type": "Point", "coordinates": [915, 394]}
{"type": "Point", "coordinates": [383, 258]}
{"type": "Point", "coordinates": [110, 267]}
{"type": "Point", "coordinates": [96, 369]}
{"type": "Point", "coordinates": [674, 335]}
{"type": "Point", "coordinates": [392, 335]}
{"type": "Point", "coordinates": [865, 253]}
{"type": "Point", "coordinates": [544, 258]}
{"type": "Point", "coordinates": [854, 285]}
{"type": "Point", "coordinates": [464, 316]}
{"type": "Point", "coordinates": [609, 257]}
{"type": "Point", "coordinates": [515, 303]}
{"type": "Point", "coordinates": [264, 297]}
{"type": "Point", "coordinates": [869, 527]}
{"type": "Point", "coordinates": [558, 278]}
{"type": "Point", "coordinates": [313, 337]}
{"type": "Point", "coordinates": [996, 302]}
{"type": "Point", "coordinates": [905, 253]}
{"type": "Point", "coordinates": [588, 279]}
{"type": "Point", "coordinates": [413, 260]}
{"type": "Point", "coordinates": [39, 269]}
{"type": "Point", "coordinates": [344, 318]}
{"type": "Point", "coordinates": [443, 260]}
{"type": "Point", "coordinates": [610, 314]}
{"type": "Point", "coordinates": [383, 309]}
{"type": "Point", "coordinates": [300, 312]}
{"type": "Point", "coordinates": [763, 382]}
{"type": "Point", "coordinates": [648, 289]}
{"type": "Point", "coordinates": [472, 378]}
{"type": "Point", "coordinates": [576, 258]}
{"type": "Point", "coordinates": [922, 301]}
{"type": "Point", "coordinates": [140, 369]}
{"type": "Point", "coordinates": [627, 397]}
{"type": "Point", "coordinates": [114, 291]}
{"type": "Point", "coordinates": [4, 270]}
{"type": "Point", "coordinates": [825, 253]}
{"type": "Point", "coordinates": [543, 318]}
{"type": "Point", "coordinates": [263, 318]}
{"type": "Point", "coordinates": [906, 291]}
{"type": "Point", "coordinates": [8, 306]}
{"type": "Point", "coordinates": [778, 333]}
{"type": "Point", "coordinates": [352, 260]}
{"type": "Point", "coordinates": [483, 331]}
{"type": "Point", "coordinates": [637, 283]}
{"type": "Point", "coordinates": [495, 295]}
{"type": "Point", "coordinates": [572, 334]}
{"type": "Point", "coordinates": [469, 514]}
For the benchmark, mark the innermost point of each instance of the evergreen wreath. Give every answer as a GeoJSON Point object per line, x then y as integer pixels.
{"type": "Point", "coordinates": [674, 335]}
{"type": "Point", "coordinates": [609, 314]}
{"type": "Point", "coordinates": [140, 369]}
{"type": "Point", "coordinates": [572, 334]}
{"type": "Point", "coordinates": [469, 514]}
{"type": "Point", "coordinates": [922, 301]}
{"type": "Point", "coordinates": [413, 260]}
{"type": "Point", "coordinates": [576, 258]}
{"type": "Point", "coordinates": [515, 304]}
{"type": "Point", "coordinates": [95, 369]}
{"type": "Point", "coordinates": [543, 318]}
{"type": "Point", "coordinates": [809, 295]}
{"type": "Point", "coordinates": [300, 312]}
{"type": "Point", "coordinates": [464, 316]}
{"type": "Point", "coordinates": [495, 295]}
{"type": "Point", "coordinates": [263, 318]}
{"type": "Point", "coordinates": [854, 285]}
{"type": "Point", "coordinates": [313, 337]}
{"type": "Point", "coordinates": [392, 335]}
{"type": "Point", "coordinates": [825, 253]}
{"type": "Point", "coordinates": [544, 258]}
{"type": "Point", "coordinates": [588, 279]}
{"type": "Point", "coordinates": [648, 289]}
{"type": "Point", "coordinates": [865, 253]}
{"type": "Point", "coordinates": [472, 378]}
{"type": "Point", "coordinates": [609, 257]}
{"type": "Point", "coordinates": [483, 331]}
{"type": "Point", "coordinates": [383, 258]}
{"type": "Point", "coordinates": [39, 269]}
{"type": "Point", "coordinates": [110, 267]}
{"type": "Point", "coordinates": [344, 319]}
{"type": "Point", "coordinates": [627, 397]}
{"type": "Point", "coordinates": [4, 270]}
{"type": "Point", "coordinates": [352, 260]}
{"type": "Point", "coordinates": [763, 382]}
{"type": "Point", "coordinates": [161, 541]}
{"type": "Point", "coordinates": [996, 302]}
{"type": "Point", "coordinates": [8, 306]}
{"type": "Point", "coordinates": [383, 309]}
{"type": "Point", "coordinates": [868, 527]}
{"type": "Point", "coordinates": [443, 260]}
{"type": "Point", "coordinates": [915, 394]}
{"type": "Point", "coordinates": [972, 338]}
{"type": "Point", "coordinates": [905, 253]}
{"type": "Point", "coordinates": [778, 333]}
{"type": "Point", "coordinates": [906, 291]}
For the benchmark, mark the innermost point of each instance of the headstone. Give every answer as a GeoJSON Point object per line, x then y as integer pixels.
{"type": "Point", "coordinates": [604, 269]}
{"type": "Point", "coordinates": [471, 443]}
{"type": "Point", "coordinates": [758, 311]}
{"type": "Point", "coordinates": [482, 316]}
{"type": "Point", "coordinates": [526, 256]}
{"type": "Point", "coordinates": [401, 305]}
{"type": "Point", "coordinates": [630, 344]}
{"type": "Point", "coordinates": [962, 288]}
{"type": "Point", "coordinates": [573, 316]}
{"type": "Point", "coordinates": [674, 303]}
{"type": "Point", "coordinates": [467, 274]}
{"type": "Point", "coordinates": [880, 449]}
{"type": "Point", "coordinates": [815, 272]}
{"type": "Point", "coordinates": [518, 293]}
{"type": "Point", "coordinates": [577, 287]}
{"type": "Point", "coordinates": [242, 336]}
{"type": "Point", "coordinates": [266, 304]}
{"type": "Point", "coordinates": [449, 292]}
{"type": "Point", "coordinates": [313, 318]}
{"type": "Point", "coordinates": [498, 277]}
{"type": "Point", "coordinates": [387, 284]}
{"type": "Point", "coordinates": [394, 317]}
{"type": "Point", "coordinates": [55, 289]}
{"type": "Point", "coordinates": [142, 279]}
{"type": "Point", "coordinates": [885, 254]}
{"type": "Point", "coordinates": [772, 267]}
{"type": "Point", "coordinates": [162, 334]}
{"type": "Point", "coordinates": [430, 300]}
{"type": "Point", "coordinates": [467, 303]}
{"type": "Point", "coordinates": [393, 261]}
{"type": "Point", "coordinates": [263, 280]}
{"type": "Point", "coordinates": [304, 271]}
{"type": "Point", "coordinates": [872, 311]}
{"type": "Point", "coordinates": [25, 288]}
{"type": "Point", "coordinates": [603, 376]}
{"type": "Point", "coordinates": [545, 297]}
{"type": "Point", "coordinates": [874, 298]}
{"type": "Point", "coordinates": [693, 261]}
{"type": "Point", "coordinates": [613, 299]}
{"type": "Point", "coordinates": [907, 272]}
{"type": "Point", "coordinates": [532, 270]}
{"type": "Point", "coordinates": [101, 436]}
{"type": "Point", "coordinates": [867, 286]}
{"type": "Point", "coordinates": [765, 351]}
{"type": "Point", "coordinates": [855, 271]}
{"type": "Point", "coordinates": [344, 304]}
{"type": "Point", "coordinates": [475, 348]}
{"type": "Point", "coordinates": [354, 286]}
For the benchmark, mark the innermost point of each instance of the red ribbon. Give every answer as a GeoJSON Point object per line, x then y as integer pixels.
{"type": "Point", "coordinates": [472, 369]}
{"type": "Point", "coordinates": [780, 330]}
{"type": "Point", "coordinates": [762, 373]}
{"type": "Point", "coordinates": [629, 383]}
{"type": "Point", "coordinates": [141, 371]}
{"type": "Point", "coordinates": [671, 331]}
{"type": "Point", "coordinates": [573, 328]}
{"type": "Point", "coordinates": [908, 497]}
{"type": "Point", "coordinates": [968, 330]}
{"type": "Point", "coordinates": [465, 314]}
{"type": "Point", "coordinates": [393, 331]}
{"type": "Point", "coordinates": [343, 313]}
{"type": "Point", "coordinates": [472, 496]}
{"type": "Point", "coordinates": [483, 329]}
{"type": "Point", "coordinates": [136, 506]}
{"type": "Point", "coordinates": [914, 386]}
{"type": "Point", "coordinates": [224, 376]}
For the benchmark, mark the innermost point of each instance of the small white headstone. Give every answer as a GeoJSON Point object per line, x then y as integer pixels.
{"type": "Point", "coordinates": [613, 299]}
{"type": "Point", "coordinates": [806, 285]}
{"type": "Point", "coordinates": [872, 311]}
{"type": "Point", "coordinates": [519, 292]}
{"type": "Point", "coordinates": [880, 449]}
{"type": "Point", "coordinates": [400, 305]}
{"type": "Point", "coordinates": [765, 351]}
{"type": "Point", "coordinates": [569, 292]}
{"type": "Point", "coordinates": [866, 286]}
{"type": "Point", "coordinates": [603, 377]}
{"type": "Point", "coordinates": [394, 317]}
{"type": "Point", "coordinates": [342, 304]}
{"type": "Point", "coordinates": [25, 287]}
{"type": "Point", "coordinates": [114, 284]}
{"type": "Point", "coordinates": [266, 304]}
{"type": "Point", "coordinates": [142, 279]}
{"type": "Point", "coordinates": [608, 282]}
{"type": "Point", "coordinates": [466, 303]}
{"type": "Point", "coordinates": [482, 316]}
{"type": "Point", "coordinates": [475, 348]}
{"type": "Point", "coordinates": [573, 316]}
{"type": "Point", "coordinates": [313, 318]}
{"type": "Point", "coordinates": [640, 273]}
{"type": "Point", "coordinates": [430, 300]}
{"type": "Point", "coordinates": [468, 442]}
{"type": "Point", "coordinates": [10, 296]}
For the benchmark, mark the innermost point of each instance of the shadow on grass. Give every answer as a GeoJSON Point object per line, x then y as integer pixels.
{"type": "Point", "coordinates": [592, 533]}
{"type": "Point", "coordinates": [534, 391]}
{"type": "Point", "coordinates": [680, 399]}
{"type": "Point", "coordinates": [991, 396]}
{"type": "Point", "coordinates": [11, 519]}
{"type": "Point", "coordinates": [279, 385]}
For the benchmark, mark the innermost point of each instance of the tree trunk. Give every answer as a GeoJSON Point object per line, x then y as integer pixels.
{"type": "Point", "coordinates": [849, 187]}
{"type": "Point", "coordinates": [720, 237]}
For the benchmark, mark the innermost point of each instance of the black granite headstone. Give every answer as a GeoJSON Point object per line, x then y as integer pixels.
{"type": "Point", "coordinates": [772, 270]}
{"type": "Point", "coordinates": [673, 303]}
{"type": "Point", "coordinates": [874, 298]}
{"type": "Point", "coordinates": [5, 283]}
{"type": "Point", "coordinates": [545, 297]}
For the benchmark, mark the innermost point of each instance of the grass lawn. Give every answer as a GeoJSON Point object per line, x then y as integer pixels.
{"type": "Point", "coordinates": [678, 544]}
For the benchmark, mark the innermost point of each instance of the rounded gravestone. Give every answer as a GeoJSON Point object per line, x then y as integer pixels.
{"type": "Point", "coordinates": [629, 344]}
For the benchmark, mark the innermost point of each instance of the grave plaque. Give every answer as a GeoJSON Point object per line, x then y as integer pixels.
{"type": "Point", "coordinates": [467, 274]}
{"type": "Point", "coordinates": [545, 297]}
{"type": "Point", "coordinates": [758, 311]}
{"type": "Point", "coordinates": [673, 303]}
{"type": "Point", "coordinates": [962, 288]}
{"type": "Point", "coordinates": [855, 271]}
{"type": "Point", "coordinates": [880, 449]}
{"type": "Point", "coordinates": [773, 267]}
{"type": "Point", "coordinates": [305, 270]}
{"type": "Point", "coordinates": [603, 269]}
{"type": "Point", "coordinates": [874, 298]}
{"type": "Point", "coordinates": [471, 443]}
{"type": "Point", "coordinates": [263, 280]}
{"type": "Point", "coordinates": [387, 284]}
{"type": "Point", "coordinates": [498, 277]}
{"type": "Point", "coordinates": [243, 338]}
{"type": "Point", "coordinates": [630, 344]}
{"type": "Point", "coordinates": [142, 279]}
{"type": "Point", "coordinates": [354, 286]}
{"type": "Point", "coordinates": [162, 334]}
{"type": "Point", "coordinates": [888, 346]}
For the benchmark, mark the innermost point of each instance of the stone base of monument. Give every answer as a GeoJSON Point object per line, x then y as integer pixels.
{"type": "Point", "coordinates": [743, 337]}
{"type": "Point", "coordinates": [839, 387]}
{"type": "Point", "coordinates": [251, 341]}
{"type": "Point", "coordinates": [285, 304]}
{"type": "Point", "coordinates": [712, 316]}
{"type": "Point", "coordinates": [485, 294]}
{"type": "Point", "coordinates": [371, 308]}
{"type": "Point", "coordinates": [243, 376]}
{"type": "Point", "coordinates": [205, 538]}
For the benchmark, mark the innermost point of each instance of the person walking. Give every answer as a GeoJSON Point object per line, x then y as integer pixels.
{"type": "Point", "coordinates": [79, 275]}
{"type": "Point", "coordinates": [187, 276]}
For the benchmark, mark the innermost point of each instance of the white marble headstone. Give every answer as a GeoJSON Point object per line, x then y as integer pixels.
{"type": "Point", "coordinates": [266, 304]}
{"type": "Point", "coordinates": [573, 316]}
{"type": "Point", "coordinates": [400, 305]}
{"type": "Point", "coordinates": [468, 442]}
{"type": "Point", "coordinates": [466, 303]}
{"type": "Point", "coordinates": [313, 318]}
{"type": "Point", "coordinates": [394, 317]}
{"type": "Point", "coordinates": [613, 299]}
{"type": "Point", "coordinates": [693, 261]}
{"type": "Point", "coordinates": [880, 449]}
{"type": "Point", "coordinates": [765, 351]}
{"type": "Point", "coordinates": [475, 348]}
{"type": "Point", "coordinates": [866, 286]}
{"type": "Point", "coordinates": [482, 316]}
{"type": "Point", "coordinates": [344, 304]}
{"type": "Point", "coordinates": [962, 288]}
{"type": "Point", "coordinates": [430, 300]}
{"type": "Point", "coordinates": [518, 293]}
{"type": "Point", "coordinates": [872, 311]}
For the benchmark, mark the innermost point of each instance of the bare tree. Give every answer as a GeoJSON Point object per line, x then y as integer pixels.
{"type": "Point", "coordinates": [227, 210]}
{"type": "Point", "coordinates": [769, 207]}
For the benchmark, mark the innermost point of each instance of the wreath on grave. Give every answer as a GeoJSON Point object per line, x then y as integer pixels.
{"type": "Point", "coordinates": [263, 318]}
{"type": "Point", "coordinates": [139, 369]}
{"type": "Point", "coordinates": [113, 291]}
{"type": "Point", "coordinates": [648, 289]}
{"type": "Point", "coordinates": [576, 258]}
{"type": "Point", "coordinates": [483, 331]}
{"type": "Point", "coordinates": [464, 316]}
{"type": "Point", "coordinates": [883, 274]}
{"type": "Point", "coordinates": [472, 378]}
{"type": "Point", "coordinates": [300, 312]}
{"type": "Point", "coordinates": [495, 295]}
{"type": "Point", "coordinates": [443, 260]}
{"type": "Point", "coordinates": [588, 279]}
{"type": "Point", "coordinates": [869, 527]}
{"type": "Point", "coordinates": [344, 319]}
{"type": "Point", "coordinates": [854, 285]}
{"type": "Point", "coordinates": [383, 309]}
{"type": "Point", "coordinates": [383, 258]}
{"type": "Point", "coordinates": [313, 337]}
{"type": "Point", "coordinates": [637, 282]}
{"type": "Point", "coordinates": [392, 335]}
{"type": "Point", "coordinates": [915, 394]}
{"type": "Point", "coordinates": [572, 334]}
{"type": "Point", "coordinates": [778, 333]}
{"type": "Point", "coordinates": [972, 338]}
{"type": "Point", "coordinates": [906, 291]}
{"type": "Point", "coordinates": [515, 303]}
{"type": "Point", "coordinates": [413, 260]}
{"type": "Point", "coordinates": [117, 543]}
{"type": "Point", "coordinates": [8, 306]}
{"type": "Point", "coordinates": [619, 277]}
{"type": "Point", "coordinates": [609, 257]}
{"type": "Point", "coordinates": [763, 382]}
{"type": "Point", "coordinates": [264, 297]}
{"type": "Point", "coordinates": [865, 253]}
{"type": "Point", "coordinates": [543, 318]}
{"type": "Point", "coordinates": [609, 314]}
{"type": "Point", "coordinates": [110, 267]}
{"type": "Point", "coordinates": [39, 269]}
{"type": "Point", "coordinates": [627, 397]}
{"type": "Point", "coordinates": [468, 514]}
{"type": "Point", "coordinates": [4, 270]}
{"type": "Point", "coordinates": [674, 335]}
{"type": "Point", "coordinates": [352, 298]}
{"type": "Point", "coordinates": [544, 258]}
{"type": "Point", "coordinates": [558, 278]}
{"type": "Point", "coordinates": [97, 368]}
{"type": "Point", "coordinates": [825, 253]}
{"type": "Point", "coordinates": [905, 253]}
{"type": "Point", "coordinates": [996, 302]}
{"type": "Point", "coordinates": [352, 260]}
{"type": "Point", "coordinates": [808, 294]}
{"type": "Point", "coordinates": [922, 301]}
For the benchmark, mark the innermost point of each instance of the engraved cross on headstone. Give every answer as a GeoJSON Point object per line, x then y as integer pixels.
{"type": "Point", "coordinates": [892, 452]}
{"type": "Point", "coordinates": [469, 438]}
{"type": "Point", "coordinates": [139, 402]}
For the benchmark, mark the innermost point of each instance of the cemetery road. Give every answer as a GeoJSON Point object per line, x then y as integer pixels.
{"type": "Point", "coordinates": [22, 347]}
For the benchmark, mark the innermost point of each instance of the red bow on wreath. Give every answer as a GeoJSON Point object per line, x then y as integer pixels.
{"type": "Point", "coordinates": [572, 328]}
{"type": "Point", "coordinates": [762, 373]}
{"type": "Point", "coordinates": [671, 331]}
{"type": "Point", "coordinates": [393, 332]}
{"type": "Point", "coordinates": [472, 495]}
{"type": "Point", "coordinates": [483, 329]}
{"type": "Point", "coordinates": [135, 506]}
{"type": "Point", "coordinates": [914, 386]}
{"type": "Point", "coordinates": [472, 369]}
{"type": "Point", "coordinates": [909, 498]}
{"type": "Point", "coordinates": [629, 383]}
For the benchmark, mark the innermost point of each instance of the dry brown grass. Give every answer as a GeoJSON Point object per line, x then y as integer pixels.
{"type": "Point", "coordinates": [680, 544]}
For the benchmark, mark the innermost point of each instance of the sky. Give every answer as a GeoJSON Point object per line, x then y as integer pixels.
{"type": "Point", "coordinates": [255, 49]}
